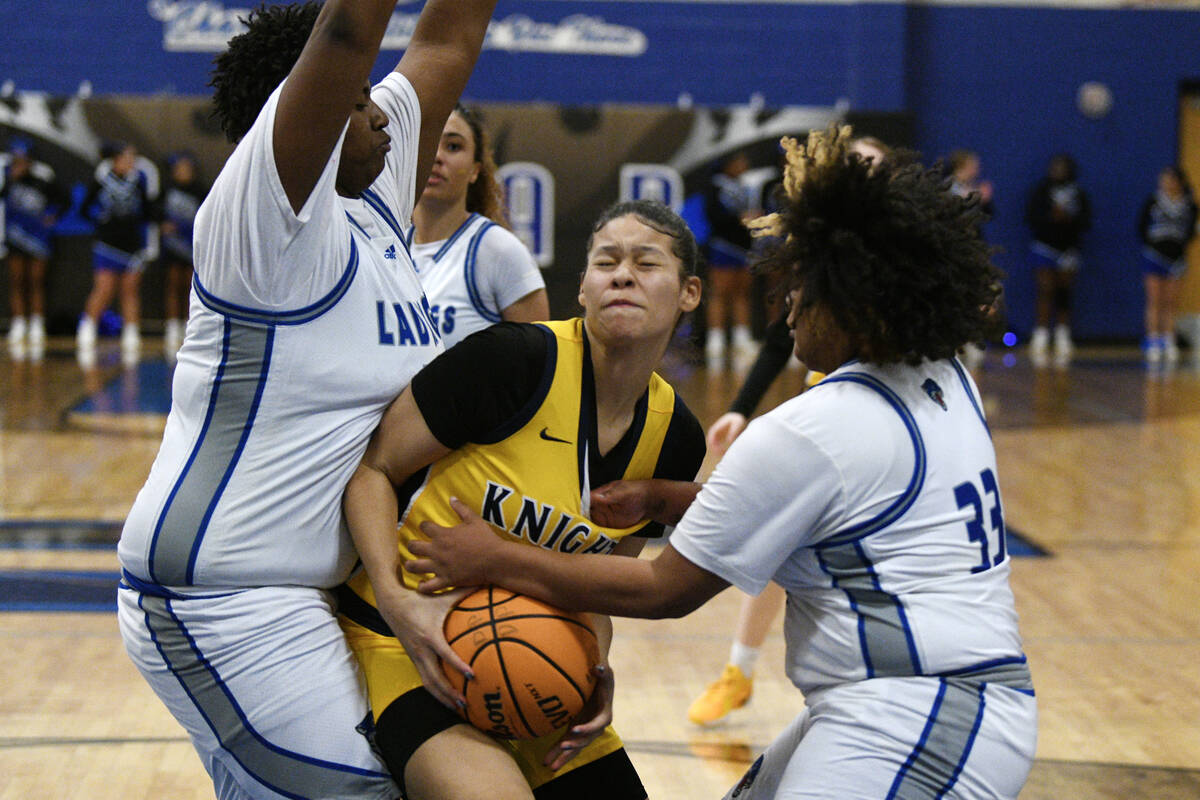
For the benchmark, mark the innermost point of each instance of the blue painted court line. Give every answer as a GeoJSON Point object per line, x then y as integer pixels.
{"type": "Point", "coordinates": [58, 590]}
{"type": "Point", "coordinates": [1018, 545]}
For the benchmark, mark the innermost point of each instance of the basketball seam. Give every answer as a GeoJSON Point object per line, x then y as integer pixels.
{"type": "Point", "coordinates": [480, 626]}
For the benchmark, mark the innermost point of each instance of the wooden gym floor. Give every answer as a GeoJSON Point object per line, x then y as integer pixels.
{"type": "Point", "coordinates": [1099, 467]}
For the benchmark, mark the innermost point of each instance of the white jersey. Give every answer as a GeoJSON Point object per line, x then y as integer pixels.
{"type": "Point", "coordinates": [872, 499]}
{"type": "Point", "coordinates": [474, 275]}
{"type": "Point", "coordinates": [303, 328]}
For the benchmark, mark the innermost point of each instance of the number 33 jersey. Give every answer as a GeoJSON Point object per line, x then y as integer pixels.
{"type": "Point", "coordinates": [873, 500]}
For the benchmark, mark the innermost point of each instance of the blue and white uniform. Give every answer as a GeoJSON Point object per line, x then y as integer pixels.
{"type": "Point", "coordinates": [31, 203]}
{"type": "Point", "coordinates": [303, 328]}
{"type": "Point", "coordinates": [122, 207]}
{"type": "Point", "coordinates": [1166, 225]}
{"type": "Point", "coordinates": [872, 499]}
{"type": "Point", "coordinates": [181, 202]}
{"type": "Point", "coordinates": [473, 275]}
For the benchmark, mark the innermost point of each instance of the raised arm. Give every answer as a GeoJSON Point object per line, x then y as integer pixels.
{"type": "Point", "coordinates": [322, 89]}
{"type": "Point", "coordinates": [438, 62]}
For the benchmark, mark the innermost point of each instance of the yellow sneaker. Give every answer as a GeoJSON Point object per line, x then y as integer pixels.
{"type": "Point", "coordinates": [730, 691]}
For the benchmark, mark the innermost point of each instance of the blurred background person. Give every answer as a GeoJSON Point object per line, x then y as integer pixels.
{"type": "Point", "coordinates": [1058, 215]}
{"type": "Point", "coordinates": [182, 197]}
{"type": "Point", "coordinates": [33, 201]}
{"type": "Point", "coordinates": [121, 201]}
{"type": "Point", "coordinates": [728, 205]}
{"type": "Point", "coordinates": [1166, 225]}
{"type": "Point", "coordinates": [475, 272]}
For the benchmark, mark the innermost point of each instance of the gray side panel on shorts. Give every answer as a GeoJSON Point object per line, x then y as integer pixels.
{"type": "Point", "coordinates": [231, 411]}
{"type": "Point", "coordinates": [287, 773]}
{"type": "Point", "coordinates": [888, 647]}
{"type": "Point", "coordinates": [935, 763]}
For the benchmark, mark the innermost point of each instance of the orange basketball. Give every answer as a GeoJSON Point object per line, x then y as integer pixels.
{"type": "Point", "coordinates": [532, 662]}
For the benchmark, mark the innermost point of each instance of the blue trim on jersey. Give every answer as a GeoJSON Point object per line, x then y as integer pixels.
{"type": "Point", "coordinates": [247, 427]}
{"type": "Point", "coordinates": [910, 493]}
{"type": "Point", "coordinates": [962, 376]}
{"type": "Point", "coordinates": [204, 662]}
{"type": "Point", "coordinates": [446, 245]}
{"type": "Point", "coordinates": [916, 751]}
{"type": "Point", "coordinates": [295, 317]}
{"type": "Point", "coordinates": [354, 222]}
{"type": "Point", "coordinates": [131, 581]}
{"type": "Point", "coordinates": [408, 237]}
{"type": "Point", "coordinates": [187, 467]}
{"type": "Point", "coordinates": [376, 203]}
{"type": "Point", "coordinates": [962, 761]}
{"type": "Point", "coordinates": [469, 275]}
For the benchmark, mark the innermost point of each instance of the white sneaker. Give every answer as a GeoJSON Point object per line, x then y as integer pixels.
{"type": "Point", "coordinates": [131, 343]}
{"type": "Point", "coordinates": [85, 333]}
{"type": "Point", "coordinates": [172, 337]}
{"type": "Point", "coordinates": [714, 348]}
{"type": "Point", "coordinates": [1038, 343]}
{"type": "Point", "coordinates": [37, 332]}
{"type": "Point", "coordinates": [17, 331]}
{"type": "Point", "coordinates": [1063, 346]}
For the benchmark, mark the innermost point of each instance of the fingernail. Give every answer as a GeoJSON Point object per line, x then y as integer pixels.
{"type": "Point", "coordinates": [600, 668]}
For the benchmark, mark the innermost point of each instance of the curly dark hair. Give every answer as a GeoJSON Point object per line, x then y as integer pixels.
{"type": "Point", "coordinates": [662, 219]}
{"type": "Point", "coordinates": [886, 248]}
{"type": "Point", "coordinates": [256, 61]}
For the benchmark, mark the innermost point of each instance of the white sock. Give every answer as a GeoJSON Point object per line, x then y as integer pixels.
{"type": "Point", "coordinates": [741, 335]}
{"type": "Point", "coordinates": [743, 657]}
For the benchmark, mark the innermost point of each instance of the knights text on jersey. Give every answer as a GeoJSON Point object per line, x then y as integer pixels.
{"type": "Point", "coordinates": [303, 328]}
{"type": "Point", "coordinates": [533, 484]}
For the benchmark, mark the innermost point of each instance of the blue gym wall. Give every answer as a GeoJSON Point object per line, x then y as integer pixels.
{"type": "Point", "coordinates": [1000, 80]}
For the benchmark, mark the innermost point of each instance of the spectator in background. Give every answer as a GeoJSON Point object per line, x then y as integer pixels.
{"type": "Point", "coordinates": [728, 205]}
{"type": "Point", "coordinates": [1166, 224]}
{"type": "Point", "coordinates": [965, 182]}
{"type": "Point", "coordinates": [1058, 215]}
{"type": "Point", "coordinates": [33, 200]}
{"type": "Point", "coordinates": [181, 200]}
{"type": "Point", "coordinates": [121, 202]}
{"type": "Point", "coordinates": [965, 179]}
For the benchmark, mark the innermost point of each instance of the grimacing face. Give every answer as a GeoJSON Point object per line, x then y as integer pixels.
{"type": "Point", "coordinates": [634, 286]}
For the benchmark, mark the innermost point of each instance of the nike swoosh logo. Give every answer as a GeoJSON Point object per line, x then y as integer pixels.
{"type": "Point", "coordinates": [545, 434]}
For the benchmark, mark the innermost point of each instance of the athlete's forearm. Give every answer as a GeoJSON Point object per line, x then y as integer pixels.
{"type": "Point", "coordinates": [371, 510]}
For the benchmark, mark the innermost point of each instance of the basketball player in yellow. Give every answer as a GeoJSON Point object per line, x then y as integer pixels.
{"type": "Point", "coordinates": [521, 422]}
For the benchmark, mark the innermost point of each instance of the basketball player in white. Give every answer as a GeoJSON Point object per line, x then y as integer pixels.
{"type": "Point", "coordinates": [307, 318]}
{"type": "Point", "coordinates": [474, 270]}
{"type": "Point", "coordinates": [872, 499]}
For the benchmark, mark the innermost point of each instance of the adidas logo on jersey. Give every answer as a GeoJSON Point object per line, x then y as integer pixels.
{"type": "Point", "coordinates": [390, 252]}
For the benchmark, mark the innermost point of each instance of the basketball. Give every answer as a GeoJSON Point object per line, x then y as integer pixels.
{"type": "Point", "coordinates": [532, 662]}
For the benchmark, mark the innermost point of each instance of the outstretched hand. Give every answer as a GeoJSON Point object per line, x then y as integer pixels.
{"type": "Point", "coordinates": [455, 556]}
{"type": "Point", "coordinates": [590, 722]}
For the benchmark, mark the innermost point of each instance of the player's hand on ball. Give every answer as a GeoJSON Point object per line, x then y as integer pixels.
{"type": "Point", "coordinates": [455, 556]}
{"type": "Point", "coordinates": [417, 621]}
{"type": "Point", "coordinates": [622, 504]}
{"type": "Point", "coordinates": [589, 723]}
